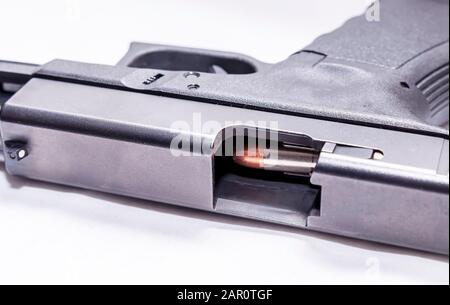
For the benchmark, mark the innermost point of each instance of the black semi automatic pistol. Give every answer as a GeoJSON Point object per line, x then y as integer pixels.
{"type": "Point", "coordinates": [347, 136]}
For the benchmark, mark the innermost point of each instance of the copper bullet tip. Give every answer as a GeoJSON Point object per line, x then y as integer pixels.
{"type": "Point", "coordinates": [250, 158]}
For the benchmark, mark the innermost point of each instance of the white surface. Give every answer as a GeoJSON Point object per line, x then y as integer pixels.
{"type": "Point", "coordinates": [52, 234]}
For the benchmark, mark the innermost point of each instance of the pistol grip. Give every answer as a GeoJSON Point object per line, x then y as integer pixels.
{"type": "Point", "coordinates": [408, 38]}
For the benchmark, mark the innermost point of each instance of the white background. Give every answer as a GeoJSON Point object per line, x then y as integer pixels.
{"type": "Point", "coordinates": [53, 234]}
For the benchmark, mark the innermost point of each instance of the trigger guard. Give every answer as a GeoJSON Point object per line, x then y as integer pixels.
{"type": "Point", "coordinates": [173, 58]}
